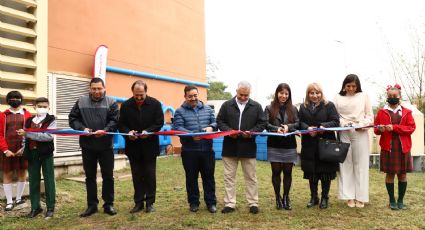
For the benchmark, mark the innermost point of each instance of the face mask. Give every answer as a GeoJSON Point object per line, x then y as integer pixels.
{"type": "Point", "coordinates": [393, 101]}
{"type": "Point", "coordinates": [41, 111]}
{"type": "Point", "coordinates": [15, 103]}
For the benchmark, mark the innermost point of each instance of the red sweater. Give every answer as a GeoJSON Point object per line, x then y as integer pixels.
{"type": "Point", "coordinates": [3, 144]}
{"type": "Point", "coordinates": [404, 129]}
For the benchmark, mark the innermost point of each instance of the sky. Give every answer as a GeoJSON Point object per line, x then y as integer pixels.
{"type": "Point", "coordinates": [267, 42]}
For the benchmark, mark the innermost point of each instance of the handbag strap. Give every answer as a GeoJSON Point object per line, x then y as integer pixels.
{"type": "Point", "coordinates": [338, 138]}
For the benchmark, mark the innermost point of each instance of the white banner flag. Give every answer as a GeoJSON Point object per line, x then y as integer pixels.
{"type": "Point", "coordinates": [100, 58]}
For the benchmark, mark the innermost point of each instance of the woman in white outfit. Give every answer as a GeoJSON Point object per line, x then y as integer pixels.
{"type": "Point", "coordinates": [355, 109]}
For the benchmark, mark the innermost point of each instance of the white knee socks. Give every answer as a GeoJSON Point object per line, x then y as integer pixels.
{"type": "Point", "coordinates": [20, 186]}
{"type": "Point", "coordinates": [8, 192]}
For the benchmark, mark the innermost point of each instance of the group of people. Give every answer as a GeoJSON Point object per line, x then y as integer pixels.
{"type": "Point", "coordinates": [351, 107]}
{"type": "Point", "coordinates": [97, 114]}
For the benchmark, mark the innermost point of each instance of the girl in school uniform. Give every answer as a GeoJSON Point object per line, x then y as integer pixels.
{"type": "Point", "coordinates": [395, 124]}
{"type": "Point", "coordinates": [11, 158]}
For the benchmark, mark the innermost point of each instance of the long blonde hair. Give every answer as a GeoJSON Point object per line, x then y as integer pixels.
{"type": "Point", "coordinates": [314, 86]}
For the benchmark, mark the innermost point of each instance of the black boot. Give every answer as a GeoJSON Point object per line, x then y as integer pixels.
{"type": "Point", "coordinates": [324, 202]}
{"type": "Point", "coordinates": [286, 202]}
{"type": "Point", "coordinates": [326, 185]}
{"type": "Point", "coordinates": [279, 204]}
{"type": "Point", "coordinates": [314, 200]}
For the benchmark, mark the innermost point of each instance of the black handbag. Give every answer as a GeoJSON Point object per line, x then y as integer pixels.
{"type": "Point", "coordinates": [333, 150]}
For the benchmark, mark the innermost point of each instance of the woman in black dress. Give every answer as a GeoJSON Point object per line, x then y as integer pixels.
{"type": "Point", "coordinates": [316, 112]}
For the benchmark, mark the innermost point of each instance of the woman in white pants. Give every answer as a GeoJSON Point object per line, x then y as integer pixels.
{"type": "Point", "coordinates": [355, 110]}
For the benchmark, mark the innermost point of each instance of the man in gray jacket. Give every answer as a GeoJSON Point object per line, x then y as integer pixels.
{"type": "Point", "coordinates": [99, 114]}
{"type": "Point", "coordinates": [197, 154]}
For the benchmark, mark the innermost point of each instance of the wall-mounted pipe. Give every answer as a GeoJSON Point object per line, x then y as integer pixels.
{"type": "Point", "coordinates": [154, 76]}
{"type": "Point", "coordinates": [164, 107]}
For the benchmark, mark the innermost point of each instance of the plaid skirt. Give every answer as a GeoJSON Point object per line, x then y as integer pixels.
{"type": "Point", "coordinates": [396, 162]}
{"type": "Point", "coordinates": [8, 164]}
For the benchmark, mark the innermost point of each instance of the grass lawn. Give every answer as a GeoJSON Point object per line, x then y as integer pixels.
{"type": "Point", "coordinates": [172, 211]}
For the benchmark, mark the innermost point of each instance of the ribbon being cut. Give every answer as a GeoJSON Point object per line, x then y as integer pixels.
{"type": "Point", "coordinates": [204, 135]}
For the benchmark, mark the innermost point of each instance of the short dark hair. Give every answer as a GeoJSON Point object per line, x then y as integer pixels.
{"type": "Point", "coordinates": [139, 82]}
{"type": "Point", "coordinates": [348, 79]}
{"type": "Point", "coordinates": [189, 88]}
{"type": "Point", "coordinates": [15, 95]}
{"type": "Point", "coordinates": [97, 80]}
{"type": "Point", "coordinates": [41, 100]}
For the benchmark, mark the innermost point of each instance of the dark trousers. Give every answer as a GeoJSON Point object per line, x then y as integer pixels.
{"type": "Point", "coordinates": [195, 162]}
{"type": "Point", "coordinates": [35, 165]}
{"type": "Point", "coordinates": [106, 162]}
{"type": "Point", "coordinates": [143, 172]}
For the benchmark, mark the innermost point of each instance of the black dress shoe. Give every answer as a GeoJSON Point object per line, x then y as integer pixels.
{"type": "Point", "coordinates": [254, 209]}
{"type": "Point", "coordinates": [89, 211]}
{"type": "Point", "coordinates": [9, 207]}
{"type": "Point", "coordinates": [212, 208]}
{"type": "Point", "coordinates": [18, 202]}
{"type": "Point", "coordinates": [286, 203]}
{"type": "Point", "coordinates": [150, 208]}
{"type": "Point", "coordinates": [324, 203]}
{"type": "Point", "coordinates": [194, 208]}
{"type": "Point", "coordinates": [314, 200]}
{"type": "Point", "coordinates": [109, 210]}
{"type": "Point", "coordinates": [137, 208]}
{"type": "Point", "coordinates": [227, 210]}
{"type": "Point", "coordinates": [279, 204]}
{"type": "Point", "coordinates": [34, 213]}
{"type": "Point", "coordinates": [49, 213]}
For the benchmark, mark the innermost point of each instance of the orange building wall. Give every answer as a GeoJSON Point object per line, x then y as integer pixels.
{"type": "Point", "coordinates": [160, 37]}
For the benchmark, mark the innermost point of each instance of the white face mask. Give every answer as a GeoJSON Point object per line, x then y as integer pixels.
{"type": "Point", "coordinates": [41, 111]}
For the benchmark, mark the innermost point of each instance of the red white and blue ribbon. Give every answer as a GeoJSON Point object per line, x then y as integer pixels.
{"type": "Point", "coordinates": [203, 135]}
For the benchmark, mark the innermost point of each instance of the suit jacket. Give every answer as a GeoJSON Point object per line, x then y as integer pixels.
{"type": "Point", "coordinates": [148, 117]}
{"type": "Point", "coordinates": [253, 120]}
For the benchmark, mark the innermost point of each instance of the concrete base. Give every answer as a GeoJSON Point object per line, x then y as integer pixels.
{"type": "Point", "coordinates": [374, 161]}
{"type": "Point", "coordinates": [67, 166]}
{"type": "Point", "coordinates": [74, 165]}
{"type": "Point", "coordinates": [418, 163]}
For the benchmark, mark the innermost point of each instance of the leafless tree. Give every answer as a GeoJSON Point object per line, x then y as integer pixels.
{"type": "Point", "coordinates": [409, 68]}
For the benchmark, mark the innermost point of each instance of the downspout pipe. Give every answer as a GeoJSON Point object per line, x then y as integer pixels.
{"type": "Point", "coordinates": [154, 76]}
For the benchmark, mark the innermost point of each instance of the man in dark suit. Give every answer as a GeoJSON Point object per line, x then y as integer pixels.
{"type": "Point", "coordinates": [141, 114]}
{"type": "Point", "coordinates": [245, 114]}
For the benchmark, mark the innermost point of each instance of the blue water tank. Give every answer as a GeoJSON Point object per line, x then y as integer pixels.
{"type": "Point", "coordinates": [164, 141]}
{"type": "Point", "coordinates": [218, 147]}
{"type": "Point", "coordinates": [261, 147]}
{"type": "Point", "coordinates": [118, 143]}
